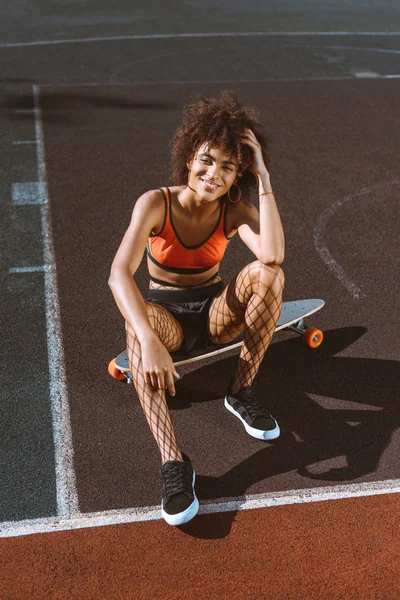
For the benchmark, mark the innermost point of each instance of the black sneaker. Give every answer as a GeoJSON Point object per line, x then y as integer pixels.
{"type": "Point", "coordinates": [251, 412]}
{"type": "Point", "coordinates": [179, 503]}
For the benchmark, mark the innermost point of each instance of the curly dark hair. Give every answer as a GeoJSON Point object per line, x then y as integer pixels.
{"type": "Point", "coordinates": [219, 122]}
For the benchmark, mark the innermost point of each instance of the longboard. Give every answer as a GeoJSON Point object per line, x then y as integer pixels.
{"type": "Point", "coordinates": [292, 317]}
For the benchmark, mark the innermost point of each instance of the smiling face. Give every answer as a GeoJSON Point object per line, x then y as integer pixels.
{"type": "Point", "coordinates": [212, 172]}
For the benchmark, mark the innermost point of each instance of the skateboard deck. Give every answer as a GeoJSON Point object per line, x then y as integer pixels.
{"type": "Point", "coordinates": [292, 317]}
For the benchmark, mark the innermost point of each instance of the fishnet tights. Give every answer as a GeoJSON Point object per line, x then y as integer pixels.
{"type": "Point", "coordinates": [251, 301]}
{"type": "Point", "coordinates": [153, 401]}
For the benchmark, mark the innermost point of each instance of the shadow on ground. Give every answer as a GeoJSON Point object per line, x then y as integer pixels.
{"type": "Point", "coordinates": [332, 410]}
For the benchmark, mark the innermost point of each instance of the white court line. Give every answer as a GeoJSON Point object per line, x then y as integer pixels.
{"type": "Point", "coordinates": [76, 520]}
{"type": "Point", "coordinates": [153, 513]}
{"type": "Point", "coordinates": [67, 497]}
{"type": "Point", "coordinates": [322, 248]}
{"type": "Point", "coordinates": [208, 81]}
{"type": "Point", "coordinates": [360, 49]}
{"type": "Point", "coordinates": [357, 48]}
{"type": "Point", "coordinates": [24, 142]}
{"type": "Point", "coordinates": [366, 74]}
{"type": "Point", "coordinates": [172, 36]}
{"type": "Point", "coordinates": [39, 269]}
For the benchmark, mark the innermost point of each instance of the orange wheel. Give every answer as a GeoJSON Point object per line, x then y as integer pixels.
{"type": "Point", "coordinates": [313, 337]}
{"type": "Point", "coordinates": [114, 372]}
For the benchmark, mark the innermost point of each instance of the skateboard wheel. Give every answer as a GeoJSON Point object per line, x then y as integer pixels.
{"type": "Point", "coordinates": [114, 372]}
{"type": "Point", "coordinates": [313, 337]}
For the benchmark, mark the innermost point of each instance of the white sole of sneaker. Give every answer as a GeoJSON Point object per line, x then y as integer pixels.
{"type": "Point", "coordinates": [186, 515]}
{"type": "Point", "coordinates": [272, 434]}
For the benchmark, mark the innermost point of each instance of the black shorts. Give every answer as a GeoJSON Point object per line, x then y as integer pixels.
{"type": "Point", "coordinates": [190, 308]}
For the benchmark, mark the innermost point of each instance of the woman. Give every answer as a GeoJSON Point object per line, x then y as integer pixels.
{"type": "Point", "coordinates": [218, 154]}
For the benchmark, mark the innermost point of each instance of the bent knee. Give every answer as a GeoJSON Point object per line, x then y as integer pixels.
{"type": "Point", "coordinates": [270, 274]}
{"type": "Point", "coordinates": [280, 275]}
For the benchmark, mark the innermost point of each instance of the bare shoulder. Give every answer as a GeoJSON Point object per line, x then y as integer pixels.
{"type": "Point", "coordinates": [150, 200]}
{"type": "Point", "coordinates": [147, 216]}
{"type": "Point", "coordinates": [149, 208]}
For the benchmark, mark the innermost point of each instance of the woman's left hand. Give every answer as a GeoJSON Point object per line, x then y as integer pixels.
{"type": "Point", "coordinates": [257, 166]}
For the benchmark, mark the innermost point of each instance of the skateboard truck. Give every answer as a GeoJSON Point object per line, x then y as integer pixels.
{"type": "Point", "coordinates": [311, 336]}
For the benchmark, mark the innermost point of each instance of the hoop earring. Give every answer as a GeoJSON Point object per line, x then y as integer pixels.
{"type": "Point", "coordinates": [229, 194]}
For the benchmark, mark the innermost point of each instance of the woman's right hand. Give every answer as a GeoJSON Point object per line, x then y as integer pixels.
{"type": "Point", "coordinates": [158, 367]}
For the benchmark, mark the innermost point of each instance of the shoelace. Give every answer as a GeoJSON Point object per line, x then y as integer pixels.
{"type": "Point", "coordinates": [252, 404]}
{"type": "Point", "coordinates": [176, 480]}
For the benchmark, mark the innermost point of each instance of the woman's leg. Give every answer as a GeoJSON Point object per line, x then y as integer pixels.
{"type": "Point", "coordinates": [251, 302]}
{"type": "Point", "coordinates": [153, 401]}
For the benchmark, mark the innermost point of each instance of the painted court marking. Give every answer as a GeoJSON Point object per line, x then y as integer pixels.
{"type": "Point", "coordinates": [322, 248]}
{"type": "Point", "coordinates": [67, 497]}
{"type": "Point", "coordinates": [362, 49]}
{"type": "Point", "coordinates": [39, 269]}
{"type": "Point", "coordinates": [213, 81]}
{"type": "Point", "coordinates": [27, 193]}
{"type": "Point", "coordinates": [153, 513]}
{"type": "Point", "coordinates": [355, 48]}
{"type": "Point", "coordinates": [168, 36]}
{"type": "Point", "coordinates": [68, 515]}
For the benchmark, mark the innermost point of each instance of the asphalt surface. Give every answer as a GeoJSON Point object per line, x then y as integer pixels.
{"type": "Point", "coordinates": [334, 167]}
{"type": "Point", "coordinates": [339, 410]}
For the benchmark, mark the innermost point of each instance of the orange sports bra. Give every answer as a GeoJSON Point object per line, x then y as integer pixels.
{"type": "Point", "coordinates": [167, 251]}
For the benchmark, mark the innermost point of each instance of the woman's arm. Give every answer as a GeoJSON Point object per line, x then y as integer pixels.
{"type": "Point", "coordinates": [148, 215]}
{"type": "Point", "coordinates": [148, 212]}
{"type": "Point", "coordinates": [262, 232]}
